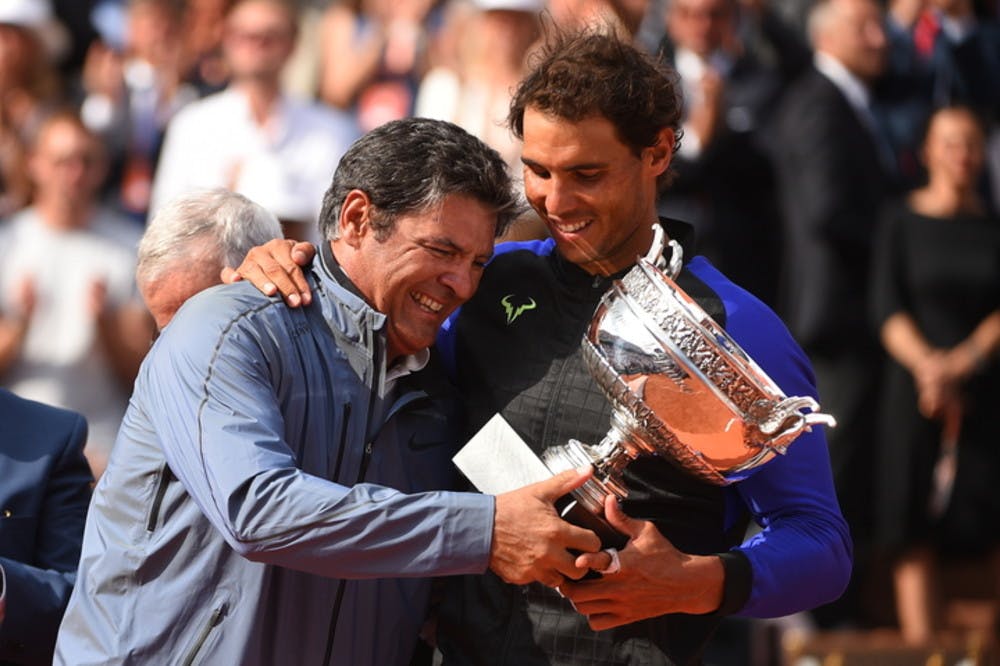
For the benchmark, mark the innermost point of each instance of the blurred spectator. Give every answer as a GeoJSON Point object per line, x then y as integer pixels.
{"type": "Point", "coordinates": [725, 182]}
{"type": "Point", "coordinates": [832, 184]}
{"type": "Point", "coordinates": [771, 39]}
{"type": "Point", "coordinates": [373, 56]}
{"type": "Point", "coordinates": [204, 63]}
{"type": "Point", "coordinates": [907, 94]}
{"type": "Point", "coordinates": [44, 501]}
{"type": "Point", "coordinates": [28, 89]}
{"type": "Point", "coordinates": [132, 93]}
{"type": "Point", "coordinates": [492, 42]}
{"type": "Point", "coordinates": [301, 75]}
{"type": "Point", "coordinates": [200, 37]}
{"type": "Point", "coordinates": [937, 300]}
{"type": "Point", "coordinates": [966, 52]}
{"type": "Point", "coordinates": [472, 88]}
{"type": "Point", "coordinates": [252, 137]}
{"type": "Point", "coordinates": [72, 332]}
{"type": "Point", "coordinates": [76, 17]}
{"type": "Point", "coordinates": [941, 53]}
{"type": "Point", "coordinates": [190, 240]}
{"type": "Point", "coordinates": [43, 506]}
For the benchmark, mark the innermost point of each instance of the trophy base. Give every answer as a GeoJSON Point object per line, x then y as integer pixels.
{"type": "Point", "coordinates": [496, 460]}
{"type": "Point", "coordinates": [585, 505]}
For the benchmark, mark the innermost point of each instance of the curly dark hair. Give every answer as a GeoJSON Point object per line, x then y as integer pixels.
{"type": "Point", "coordinates": [405, 166]}
{"type": "Point", "coordinates": [592, 72]}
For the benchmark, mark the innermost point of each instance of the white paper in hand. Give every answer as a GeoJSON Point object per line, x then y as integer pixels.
{"type": "Point", "coordinates": [496, 460]}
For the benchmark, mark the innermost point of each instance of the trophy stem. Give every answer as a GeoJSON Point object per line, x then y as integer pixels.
{"type": "Point", "coordinates": [613, 455]}
{"type": "Point", "coordinates": [608, 458]}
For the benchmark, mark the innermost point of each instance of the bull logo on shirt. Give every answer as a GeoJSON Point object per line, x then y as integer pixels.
{"type": "Point", "coordinates": [515, 311]}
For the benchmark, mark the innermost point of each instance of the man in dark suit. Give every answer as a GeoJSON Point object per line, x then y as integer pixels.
{"type": "Point", "coordinates": [44, 492]}
{"type": "Point", "coordinates": [832, 183]}
{"type": "Point", "coordinates": [724, 181]}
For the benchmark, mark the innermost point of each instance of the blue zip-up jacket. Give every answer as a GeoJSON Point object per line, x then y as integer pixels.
{"type": "Point", "coordinates": [267, 500]}
{"type": "Point", "coordinates": [514, 348]}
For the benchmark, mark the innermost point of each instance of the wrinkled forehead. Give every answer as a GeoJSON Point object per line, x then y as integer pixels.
{"type": "Point", "coordinates": [461, 221]}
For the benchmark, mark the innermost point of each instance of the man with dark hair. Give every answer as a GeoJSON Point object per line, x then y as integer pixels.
{"type": "Point", "coordinates": [599, 121]}
{"type": "Point", "coordinates": [274, 493]}
{"type": "Point", "coordinates": [594, 165]}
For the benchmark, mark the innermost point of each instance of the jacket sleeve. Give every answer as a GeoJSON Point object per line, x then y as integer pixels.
{"type": "Point", "coordinates": [36, 592]}
{"type": "Point", "coordinates": [801, 557]}
{"type": "Point", "coordinates": [212, 401]}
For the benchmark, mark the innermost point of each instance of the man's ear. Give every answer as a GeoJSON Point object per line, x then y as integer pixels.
{"type": "Point", "coordinates": [662, 153]}
{"type": "Point", "coordinates": [355, 216]}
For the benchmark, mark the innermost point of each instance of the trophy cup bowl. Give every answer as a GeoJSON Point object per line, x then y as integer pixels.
{"type": "Point", "coordinates": [680, 387]}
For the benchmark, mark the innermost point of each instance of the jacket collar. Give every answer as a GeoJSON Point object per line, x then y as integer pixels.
{"type": "Point", "coordinates": [332, 269]}
{"type": "Point", "coordinates": [364, 316]}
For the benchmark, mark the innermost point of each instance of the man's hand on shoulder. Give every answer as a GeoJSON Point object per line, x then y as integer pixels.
{"type": "Point", "coordinates": [531, 542]}
{"type": "Point", "coordinates": [654, 579]}
{"type": "Point", "coordinates": [276, 268]}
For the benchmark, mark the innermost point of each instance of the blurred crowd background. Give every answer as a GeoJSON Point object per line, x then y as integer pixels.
{"type": "Point", "coordinates": [863, 212]}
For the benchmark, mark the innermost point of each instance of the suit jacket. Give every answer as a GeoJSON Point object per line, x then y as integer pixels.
{"type": "Point", "coordinates": [728, 191]}
{"type": "Point", "coordinates": [44, 492]}
{"type": "Point", "coordinates": [831, 187]}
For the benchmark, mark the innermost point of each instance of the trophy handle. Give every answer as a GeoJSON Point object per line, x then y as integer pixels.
{"type": "Point", "coordinates": [655, 253]}
{"type": "Point", "coordinates": [790, 410]}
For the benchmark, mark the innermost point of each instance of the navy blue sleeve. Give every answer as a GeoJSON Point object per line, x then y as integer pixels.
{"type": "Point", "coordinates": [37, 590]}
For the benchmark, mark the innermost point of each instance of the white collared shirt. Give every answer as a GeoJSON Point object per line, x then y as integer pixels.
{"type": "Point", "coordinates": [405, 366]}
{"type": "Point", "coordinates": [852, 87]}
{"type": "Point", "coordinates": [285, 165]}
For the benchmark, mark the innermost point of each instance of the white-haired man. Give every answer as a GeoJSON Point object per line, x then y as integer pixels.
{"type": "Point", "coordinates": [190, 240]}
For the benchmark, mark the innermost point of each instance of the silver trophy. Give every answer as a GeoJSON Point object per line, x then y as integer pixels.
{"type": "Point", "coordinates": [680, 387]}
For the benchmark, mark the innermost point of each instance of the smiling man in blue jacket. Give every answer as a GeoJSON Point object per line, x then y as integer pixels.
{"type": "Point", "coordinates": [274, 496]}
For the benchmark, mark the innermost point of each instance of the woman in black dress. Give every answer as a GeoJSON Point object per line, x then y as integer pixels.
{"type": "Point", "coordinates": [936, 297]}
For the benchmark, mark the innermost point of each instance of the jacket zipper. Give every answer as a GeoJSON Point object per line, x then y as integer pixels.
{"type": "Point", "coordinates": [343, 436]}
{"type": "Point", "coordinates": [162, 481]}
{"type": "Point", "coordinates": [342, 583]}
{"type": "Point", "coordinates": [203, 636]}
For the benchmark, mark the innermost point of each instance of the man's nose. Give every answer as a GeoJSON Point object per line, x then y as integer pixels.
{"type": "Point", "coordinates": [558, 196]}
{"type": "Point", "coordinates": [463, 281]}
